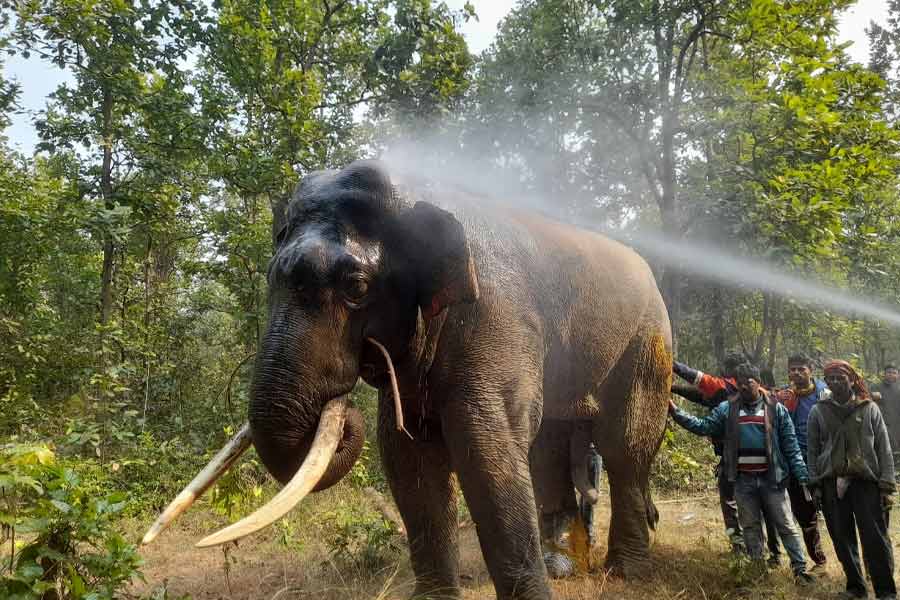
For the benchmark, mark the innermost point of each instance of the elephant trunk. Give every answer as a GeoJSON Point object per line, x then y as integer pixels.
{"type": "Point", "coordinates": [327, 436]}
{"type": "Point", "coordinates": [285, 409]}
{"type": "Point", "coordinates": [308, 438]}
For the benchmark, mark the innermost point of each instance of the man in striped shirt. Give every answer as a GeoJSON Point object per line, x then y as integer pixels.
{"type": "Point", "coordinates": [710, 391]}
{"type": "Point", "coordinates": [760, 452]}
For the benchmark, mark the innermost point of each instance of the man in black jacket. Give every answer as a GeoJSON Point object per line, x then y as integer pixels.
{"type": "Point", "coordinates": [889, 403]}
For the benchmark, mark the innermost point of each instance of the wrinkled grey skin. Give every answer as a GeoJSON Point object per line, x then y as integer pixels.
{"type": "Point", "coordinates": [501, 324]}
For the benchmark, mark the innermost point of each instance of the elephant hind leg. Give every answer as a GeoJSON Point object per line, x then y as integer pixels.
{"type": "Point", "coordinates": [629, 538]}
{"type": "Point", "coordinates": [652, 512]}
{"type": "Point", "coordinates": [628, 438]}
{"type": "Point", "coordinates": [551, 476]}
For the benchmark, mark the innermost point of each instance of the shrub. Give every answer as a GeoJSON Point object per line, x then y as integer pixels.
{"type": "Point", "coordinates": [684, 462]}
{"type": "Point", "coordinates": [60, 531]}
{"type": "Point", "coordinates": [361, 539]}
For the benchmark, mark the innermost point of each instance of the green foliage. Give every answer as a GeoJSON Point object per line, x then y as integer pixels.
{"type": "Point", "coordinates": [360, 539]}
{"type": "Point", "coordinates": [62, 533]}
{"type": "Point", "coordinates": [240, 490]}
{"type": "Point", "coordinates": [421, 62]}
{"type": "Point", "coordinates": [684, 462]}
{"type": "Point", "coordinates": [368, 471]}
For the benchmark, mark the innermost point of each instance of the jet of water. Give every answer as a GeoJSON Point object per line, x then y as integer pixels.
{"type": "Point", "coordinates": [717, 264]}
{"type": "Point", "coordinates": [438, 161]}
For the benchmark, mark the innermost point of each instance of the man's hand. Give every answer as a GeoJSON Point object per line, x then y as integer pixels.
{"type": "Point", "coordinates": [806, 494]}
{"type": "Point", "coordinates": [887, 501]}
{"type": "Point", "coordinates": [672, 406]}
{"type": "Point", "coordinates": [817, 497]}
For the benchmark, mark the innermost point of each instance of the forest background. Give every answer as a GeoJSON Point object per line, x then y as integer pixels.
{"type": "Point", "coordinates": [134, 240]}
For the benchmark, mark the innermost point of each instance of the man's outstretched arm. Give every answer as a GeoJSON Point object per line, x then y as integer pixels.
{"type": "Point", "coordinates": [690, 392]}
{"type": "Point", "coordinates": [709, 385]}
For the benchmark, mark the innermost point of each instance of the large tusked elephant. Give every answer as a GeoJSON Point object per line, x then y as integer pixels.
{"type": "Point", "coordinates": [495, 322]}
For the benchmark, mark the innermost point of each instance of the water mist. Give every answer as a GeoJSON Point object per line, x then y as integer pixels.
{"type": "Point", "coordinates": [440, 162]}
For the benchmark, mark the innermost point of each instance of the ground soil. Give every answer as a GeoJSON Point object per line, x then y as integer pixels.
{"type": "Point", "coordinates": [690, 559]}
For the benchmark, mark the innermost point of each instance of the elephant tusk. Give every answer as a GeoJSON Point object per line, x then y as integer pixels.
{"type": "Point", "coordinates": [328, 435]}
{"type": "Point", "coordinates": [220, 463]}
{"type": "Point", "coordinates": [395, 389]}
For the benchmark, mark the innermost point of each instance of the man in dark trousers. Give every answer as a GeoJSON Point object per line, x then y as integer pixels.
{"type": "Point", "coordinates": [889, 403]}
{"type": "Point", "coordinates": [709, 391]}
{"type": "Point", "coordinates": [851, 472]}
{"type": "Point", "coordinates": [799, 398]}
{"type": "Point", "coordinates": [760, 452]}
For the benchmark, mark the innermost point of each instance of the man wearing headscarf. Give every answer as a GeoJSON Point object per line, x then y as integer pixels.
{"type": "Point", "coordinates": [851, 472]}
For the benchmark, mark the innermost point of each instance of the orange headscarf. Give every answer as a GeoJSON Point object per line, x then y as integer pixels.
{"type": "Point", "coordinates": [856, 382]}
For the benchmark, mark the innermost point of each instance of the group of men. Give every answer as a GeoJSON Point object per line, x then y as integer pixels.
{"type": "Point", "coordinates": [789, 453]}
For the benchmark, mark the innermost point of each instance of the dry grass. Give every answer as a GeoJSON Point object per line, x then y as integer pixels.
{"type": "Point", "coordinates": [689, 560]}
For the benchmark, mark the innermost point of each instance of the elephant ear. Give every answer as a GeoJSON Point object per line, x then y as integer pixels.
{"type": "Point", "coordinates": [279, 219]}
{"type": "Point", "coordinates": [439, 251]}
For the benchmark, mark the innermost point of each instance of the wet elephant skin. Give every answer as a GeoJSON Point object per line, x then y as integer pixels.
{"type": "Point", "coordinates": [497, 322]}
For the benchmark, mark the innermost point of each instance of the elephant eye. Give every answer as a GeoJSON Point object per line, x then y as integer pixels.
{"type": "Point", "coordinates": [356, 287]}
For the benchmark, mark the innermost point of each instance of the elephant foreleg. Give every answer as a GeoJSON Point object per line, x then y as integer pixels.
{"type": "Point", "coordinates": [418, 472]}
{"type": "Point", "coordinates": [491, 461]}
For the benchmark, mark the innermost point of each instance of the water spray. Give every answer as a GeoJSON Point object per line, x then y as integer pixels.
{"type": "Point", "coordinates": [715, 263]}
{"type": "Point", "coordinates": [428, 161]}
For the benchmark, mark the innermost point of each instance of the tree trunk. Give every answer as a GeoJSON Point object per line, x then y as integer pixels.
{"type": "Point", "coordinates": [668, 208]}
{"type": "Point", "coordinates": [775, 318]}
{"type": "Point", "coordinates": [668, 110]}
{"type": "Point", "coordinates": [106, 278]}
{"type": "Point", "coordinates": [147, 329]}
{"type": "Point", "coordinates": [717, 323]}
{"type": "Point", "coordinates": [764, 329]}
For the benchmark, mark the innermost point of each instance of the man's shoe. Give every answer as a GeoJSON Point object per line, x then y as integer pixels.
{"type": "Point", "coordinates": [802, 578]}
{"type": "Point", "coordinates": [817, 567]}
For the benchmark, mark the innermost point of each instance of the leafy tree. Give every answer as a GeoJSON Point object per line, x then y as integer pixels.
{"type": "Point", "coordinates": [280, 83]}
{"type": "Point", "coordinates": [111, 50]}
{"type": "Point", "coordinates": [799, 153]}
{"type": "Point", "coordinates": [587, 76]}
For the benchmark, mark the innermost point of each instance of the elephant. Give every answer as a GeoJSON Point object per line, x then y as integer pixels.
{"type": "Point", "coordinates": [481, 326]}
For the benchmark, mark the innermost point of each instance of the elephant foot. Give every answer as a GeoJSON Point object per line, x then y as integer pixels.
{"type": "Point", "coordinates": [627, 566]}
{"type": "Point", "coordinates": [567, 552]}
{"type": "Point", "coordinates": [559, 566]}
{"type": "Point", "coordinates": [432, 592]}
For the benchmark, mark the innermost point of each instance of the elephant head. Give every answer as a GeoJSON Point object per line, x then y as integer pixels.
{"type": "Point", "coordinates": [356, 267]}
